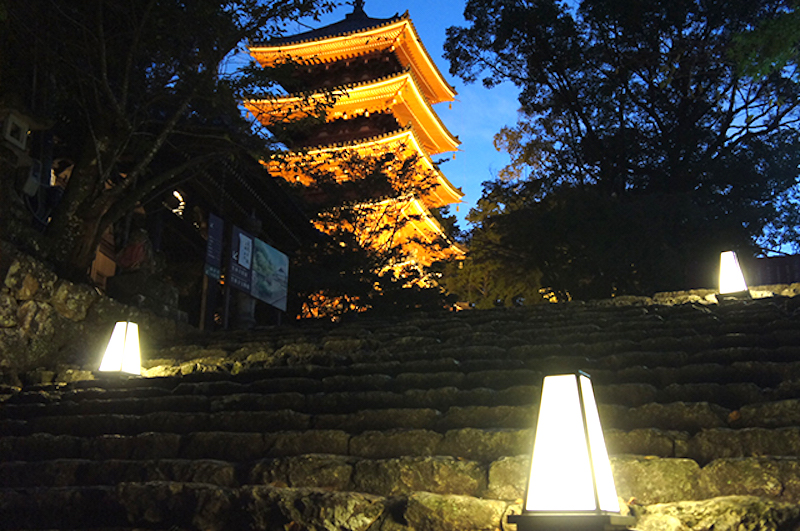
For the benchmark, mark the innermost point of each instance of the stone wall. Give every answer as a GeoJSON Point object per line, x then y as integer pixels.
{"type": "Point", "coordinates": [47, 322]}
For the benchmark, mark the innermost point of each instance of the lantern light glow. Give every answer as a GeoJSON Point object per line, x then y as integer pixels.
{"type": "Point", "coordinates": [571, 485]}
{"type": "Point", "coordinates": [731, 279]}
{"type": "Point", "coordinates": [122, 353]}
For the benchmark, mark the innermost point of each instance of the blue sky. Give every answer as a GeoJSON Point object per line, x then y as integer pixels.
{"type": "Point", "coordinates": [476, 115]}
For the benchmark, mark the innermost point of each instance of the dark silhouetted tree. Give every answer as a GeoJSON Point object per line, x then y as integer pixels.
{"type": "Point", "coordinates": [138, 94]}
{"type": "Point", "coordinates": [647, 140]}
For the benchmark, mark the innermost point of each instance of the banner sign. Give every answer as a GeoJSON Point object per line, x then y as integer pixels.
{"type": "Point", "coordinates": [258, 269]}
{"type": "Point", "coordinates": [214, 247]}
{"type": "Point", "coordinates": [240, 260]}
{"type": "Point", "coordinates": [270, 275]}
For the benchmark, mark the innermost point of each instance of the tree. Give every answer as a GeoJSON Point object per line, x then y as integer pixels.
{"type": "Point", "coordinates": [490, 275]}
{"type": "Point", "coordinates": [138, 95]}
{"type": "Point", "coordinates": [643, 147]}
{"type": "Point", "coordinates": [365, 263]}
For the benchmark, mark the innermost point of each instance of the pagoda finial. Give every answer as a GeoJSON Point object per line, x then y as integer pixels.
{"type": "Point", "coordinates": [358, 7]}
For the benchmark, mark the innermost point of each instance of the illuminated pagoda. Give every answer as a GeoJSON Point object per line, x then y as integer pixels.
{"type": "Point", "coordinates": [378, 84]}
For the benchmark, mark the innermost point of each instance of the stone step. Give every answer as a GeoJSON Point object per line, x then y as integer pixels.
{"type": "Point", "coordinates": [439, 390]}
{"type": "Point", "coordinates": [684, 416]}
{"type": "Point", "coordinates": [649, 479]}
{"type": "Point", "coordinates": [482, 445]}
{"type": "Point", "coordinates": [163, 505]}
{"type": "Point", "coordinates": [269, 413]}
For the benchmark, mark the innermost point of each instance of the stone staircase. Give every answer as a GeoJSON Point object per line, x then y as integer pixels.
{"type": "Point", "coordinates": [417, 424]}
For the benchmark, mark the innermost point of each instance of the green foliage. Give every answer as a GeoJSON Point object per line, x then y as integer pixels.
{"type": "Point", "coordinates": [772, 45]}
{"type": "Point", "coordinates": [641, 149]}
{"type": "Point", "coordinates": [139, 96]}
{"type": "Point", "coordinates": [491, 275]}
{"type": "Point", "coordinates": [364, 262]}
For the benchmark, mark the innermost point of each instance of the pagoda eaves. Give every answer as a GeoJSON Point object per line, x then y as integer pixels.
{"type": "Point", "coordinates": [399, 93]}
{"type": "Point", "coordinates": [439, 193]}
{"type": "Point", "coordinates": [357, 37]}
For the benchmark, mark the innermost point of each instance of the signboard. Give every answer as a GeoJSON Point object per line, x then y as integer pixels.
{"type": "Point", "coordinates": [270, 275]}
{"type": "Point", "coordinates": [214, 247]}
{"type": "Point", "coordinates": [240, 259]}
{"type": "Point", "coordinates": [258, 269]}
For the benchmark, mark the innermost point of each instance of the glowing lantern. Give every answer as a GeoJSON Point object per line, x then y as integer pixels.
{"type": "Point", "coordinates": [570, 484]}
{"type": "Point", "coordinates": [731, 279]}
{"type": "Point", "coordinates": [122, 353]}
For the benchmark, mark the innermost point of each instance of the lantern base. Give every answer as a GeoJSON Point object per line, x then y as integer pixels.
{"type": "Point", "coordinates": [555, 521]}
{"type": "Point", "coordinates": [734, 296]}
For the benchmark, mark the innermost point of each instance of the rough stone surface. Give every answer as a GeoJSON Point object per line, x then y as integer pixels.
{"type": "Point", "coordinates": [708, 445]}
{"type": "Point", "coordinates": [486, 446]}
{"type": "Point", "coordinates": [647, 441]}
{"type": "Point", "coordinates": [8, 309]}
{"type": "Point", "coordinates": [443, 475]}
{"type": "Point", "coordinates": [770, 414]}
{"type": "Point", "coordinates": [311, 470]}
{"type": "Point", "coordinates": [395, 443]}
{"type": "Point", "coordinates": [769, 477]}
{"type": "Point", "coordinates": [656, 480]}
{"type": "Point", "coordinates": [733, 513]}
{"type": "Point", "coordinates": [508, 478]}
{"type": "Point", "coordinates": [46, 322]}
{"type": "Point", "coordinates": [276, 508]}
{"type": "Point", "coordinates": [433, 512]}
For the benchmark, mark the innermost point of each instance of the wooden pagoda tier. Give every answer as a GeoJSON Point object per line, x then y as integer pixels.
{"type": "Point", "coordinates": [436, 190]}
{"type": "Point", "coordinates": [369, 85]}
{"type": "Point", "coordinates": [399, 94]}
{"type": "Point", "coordinates": [358, 37]}
{"type": "Point", "coordinates": [400, 221]}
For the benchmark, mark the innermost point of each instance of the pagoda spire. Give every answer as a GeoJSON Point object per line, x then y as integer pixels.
{"type": "Point", "coordinates": [358, 9]}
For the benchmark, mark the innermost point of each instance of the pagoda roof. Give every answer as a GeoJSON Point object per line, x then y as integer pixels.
{"type": "Point", "coordinates": [422, 226]}
{"type": "Point", "coordinates": [355, 36]}
{"type": "Point", "coordinates": [442, 193]}
{"type": "Point", "coordinates": [398, 93]}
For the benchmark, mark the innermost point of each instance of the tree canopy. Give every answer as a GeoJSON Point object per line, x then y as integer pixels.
{"type": "Point", "coordinates": [652, 134]}
{"type": "Point", "coordinates": [138, 93]}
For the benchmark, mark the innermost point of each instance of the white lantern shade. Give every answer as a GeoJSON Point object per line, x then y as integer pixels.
{"type": "Point", "coordinates": [731, 279]}
{"type": "Point", "coordinates": [122, 353]}
{"type": "Point", "coordinates": [570, 470]}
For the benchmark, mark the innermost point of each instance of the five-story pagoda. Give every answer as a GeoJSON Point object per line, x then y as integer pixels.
{"type": "Point", "coordinates": [377, 84]}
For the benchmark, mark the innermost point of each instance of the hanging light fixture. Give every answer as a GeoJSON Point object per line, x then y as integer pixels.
{"type": "Point", "coordinates": [731, 279]}
{"type": "Point", "coordinates": [570, 484]}
{"type": "Point", "coordinates": [122, 353]}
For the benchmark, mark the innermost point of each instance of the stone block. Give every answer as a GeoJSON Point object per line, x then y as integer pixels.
{"type": "Point", "coordinates": [485, 445]}
{"type": "Point", "coordinates": [233, 447]}
{"type": "Point", "coordinates": [286, 508]}
{"type": "Point", "coordinates": [777, 478]}
{"type": "Point", "coordinates": [645, 441]}
{"type": "Point", "coordinates": [511, 417]}
{"type": "Point", "coordinates": [322, 471]}
{"type": "Point", "coordinates": [403, 476]}
{"type": "Point", "coordinates": [435, 512]}
{"type": "Point", "coordinates": [709, 445]}
{"type": "Point", "coordinates": [395, 443]}
{"type": "Point", "coordinates": [380, 419]}
{"type": "Point", "coordinates": [770, 414]}
{"type": "Point", "coordinates": [508, 478]}
{"type": "Point", "coordinates": [289, 443]}
{"type": "Point", "coordinates": [730, 513]}
{"type": "Point", "coordinates": [656, 480]}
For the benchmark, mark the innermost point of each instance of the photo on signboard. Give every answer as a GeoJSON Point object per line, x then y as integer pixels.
{"type": "Point", "coordinates": [270, 278]}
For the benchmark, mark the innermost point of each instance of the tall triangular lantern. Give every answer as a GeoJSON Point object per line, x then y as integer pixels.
{"type": "Point", "coordinates": [570, 484]}
{"type": "Point", "coordinates": [731, 279]}
{"type": "Point", "coordinates": [122, 353]}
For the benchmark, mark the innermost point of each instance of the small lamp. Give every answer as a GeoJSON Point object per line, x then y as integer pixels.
{"type": "Point", "coordinates": [731, 279]}
{"type": "Point", "coordinates": [570, 485]}
{"type": "Point", "coordinates": [122, 353]}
